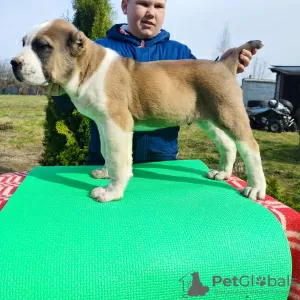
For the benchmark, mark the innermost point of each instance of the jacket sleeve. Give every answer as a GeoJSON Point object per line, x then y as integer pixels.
{"type": "Point", "coordinates": [191, 55]}
{"type": "Point", "coordinates": [63, 102]}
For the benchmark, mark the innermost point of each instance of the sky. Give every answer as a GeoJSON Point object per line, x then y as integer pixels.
{"type": "Point", "coordinates": [196, 23]}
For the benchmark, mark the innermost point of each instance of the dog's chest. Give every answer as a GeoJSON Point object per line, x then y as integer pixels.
{"type": "Point", "coordinates": [89, 99]}
{"type": "Point", "coordinates": [92, 107]}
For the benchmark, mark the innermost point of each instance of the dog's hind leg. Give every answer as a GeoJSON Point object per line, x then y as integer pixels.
{"type": "Point", "coordinates": [226, 147]}
{"type": "Point", "coordinates": [256, 185]}
{"type": "Point", "coordinates": [238, 128]}
{"type": "Point", "coordinates": [118, 148]}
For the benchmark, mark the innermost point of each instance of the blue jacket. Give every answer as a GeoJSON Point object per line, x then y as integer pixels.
{"type": "Point", "coordinates": [147, 146]}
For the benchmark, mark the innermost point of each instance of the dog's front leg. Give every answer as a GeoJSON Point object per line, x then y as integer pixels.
{"type": "Point", "coordinates": [103, 172]}
{"type": "Point", "coordinates": [118, 144]}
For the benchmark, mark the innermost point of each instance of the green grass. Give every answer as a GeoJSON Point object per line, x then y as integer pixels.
{"type": "Point", "coordinates": [25, 106]}
{"type": "Point", "coordinates": [280, 156]}
{"type": "Point", "coordinates": [21, 147]}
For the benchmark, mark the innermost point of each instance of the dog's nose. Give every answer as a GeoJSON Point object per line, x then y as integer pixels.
{"type": "Point", "coordinates": [15, 63]}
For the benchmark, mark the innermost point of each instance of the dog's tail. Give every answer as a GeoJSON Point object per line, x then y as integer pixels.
{"type": "Point", "coordinates": [232, 60]}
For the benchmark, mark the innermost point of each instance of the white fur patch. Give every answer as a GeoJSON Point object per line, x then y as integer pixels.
{"type": "Point", "coordinates": [35, 30]}
{"type": "Point", "coordinates": [31, 69]}
{"type": "Point", "coordinates": [101, 173]}
{"type": "Point", "coordinates": [116, 144]}
{"type": "Point", "coordinates": [90, 98]}
{"type": "Point", "coordinates": [227, 150]}
{"type": "Point", "coordinates": [118, 161]}
{"type": "Point", "coordinates": [256, 185]}
{"type": "Point", "coordinates": [256, 188]}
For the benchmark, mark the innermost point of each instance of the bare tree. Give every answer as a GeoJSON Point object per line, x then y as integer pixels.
{"type": "Point", "coordinates": [224, 42]}
{"type": "Point", "coordinates": [260, 68]}
{"type": "Point", "coordinates": [6, 75]}
{"type": "Point", "coordinates": [7, 79]}
{"type": "Point", "coordinates": [67, 16]}
{"type": "Point", "coordinates": [259, 65]}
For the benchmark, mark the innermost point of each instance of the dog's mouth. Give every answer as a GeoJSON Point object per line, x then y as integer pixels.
{"type": "Point", "coordinates": [45, 83]}
{"type": "Point", "coordinates": [18, 76]}
{"type": "Point", "coordinates": [48, 80]}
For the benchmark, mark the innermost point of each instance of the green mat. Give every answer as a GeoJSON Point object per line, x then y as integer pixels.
{"type": "Point", "coordinates": [174, 233]}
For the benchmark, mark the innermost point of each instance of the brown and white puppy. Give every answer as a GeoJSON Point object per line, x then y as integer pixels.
{"type": "Point", "coordinates": [122, 96]}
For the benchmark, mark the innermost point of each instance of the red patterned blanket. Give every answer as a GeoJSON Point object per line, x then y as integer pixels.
{"type": "Point", "coordinates": [289, 219]}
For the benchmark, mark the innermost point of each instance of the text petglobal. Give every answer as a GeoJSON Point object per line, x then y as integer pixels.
{"type": "Point", "coordinates": [245, 281]}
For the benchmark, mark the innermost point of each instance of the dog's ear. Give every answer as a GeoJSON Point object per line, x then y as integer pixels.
{"type": "Point", "coordinates": [77, 43]}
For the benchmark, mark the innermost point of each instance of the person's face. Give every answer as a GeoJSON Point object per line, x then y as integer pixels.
{"type": "Point", "coordinates": [145, 17]}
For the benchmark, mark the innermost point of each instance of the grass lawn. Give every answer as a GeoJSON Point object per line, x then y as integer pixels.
{"type": "Point", "coordinates": [280, 157]}
{"type": "Point", "coordinates": [21, 146]}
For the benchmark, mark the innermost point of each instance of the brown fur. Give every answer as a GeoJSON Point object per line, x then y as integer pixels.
{"type": "Point", "coordinates": [179, 93]}
{"type": "Point", "coordinates": [89, 63]}
{"type": "Point", "coordinates": [61, 64]}
{"type": "Point", "coordinates": [155, 94]}
{"type": "Point", "coordinates": [71, 52]}
{"type": "Point", "coordinates": [118, 87]}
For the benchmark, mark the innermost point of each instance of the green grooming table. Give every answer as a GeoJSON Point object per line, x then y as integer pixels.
{"type": "Point", "coordinates": [174, 235]}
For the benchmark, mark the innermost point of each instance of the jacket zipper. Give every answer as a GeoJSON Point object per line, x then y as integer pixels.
{"type": "Point", "coordinates": [142, 44]}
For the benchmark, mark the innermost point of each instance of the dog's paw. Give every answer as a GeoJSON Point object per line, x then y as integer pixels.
{"type": "Point", "coordinates": [254, 193]}
{"type": "Point", "coordinates": [103, 173]}
{"type": "Point", "coordinates": [106, 194]}
{"type": "Point", "coordinates": [100, 173]}
{"type": "Point", "coordinates": [218, 175]}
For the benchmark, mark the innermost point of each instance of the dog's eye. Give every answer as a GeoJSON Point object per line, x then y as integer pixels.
{"type": "Point", "coordinates": [41, 44]}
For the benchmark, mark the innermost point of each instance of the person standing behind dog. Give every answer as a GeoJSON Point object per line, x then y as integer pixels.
{"type": "Point", "coordinates": [143, 40]}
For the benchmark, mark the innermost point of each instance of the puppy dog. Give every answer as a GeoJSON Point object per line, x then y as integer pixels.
{"type": "Point", "coordinates": [122, 96]}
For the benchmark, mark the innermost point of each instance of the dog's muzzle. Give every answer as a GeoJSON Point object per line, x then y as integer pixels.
{"type": "Point", "coordinates": [16, 67]}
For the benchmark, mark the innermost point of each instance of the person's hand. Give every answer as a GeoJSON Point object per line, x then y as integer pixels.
{"type": "Point", "coordinates": [52, 89]}
{"type": "Point", "coordinates": [244, 58]}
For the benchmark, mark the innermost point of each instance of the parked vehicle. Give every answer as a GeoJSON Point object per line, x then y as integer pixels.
{"type": "Point", "coordinates": [275, 115]}
{"type": "Point", "coordinates": [257, 89]}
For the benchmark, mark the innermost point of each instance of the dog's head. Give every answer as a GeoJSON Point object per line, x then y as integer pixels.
{"type": "Point", "coordinates": [49, 53]}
